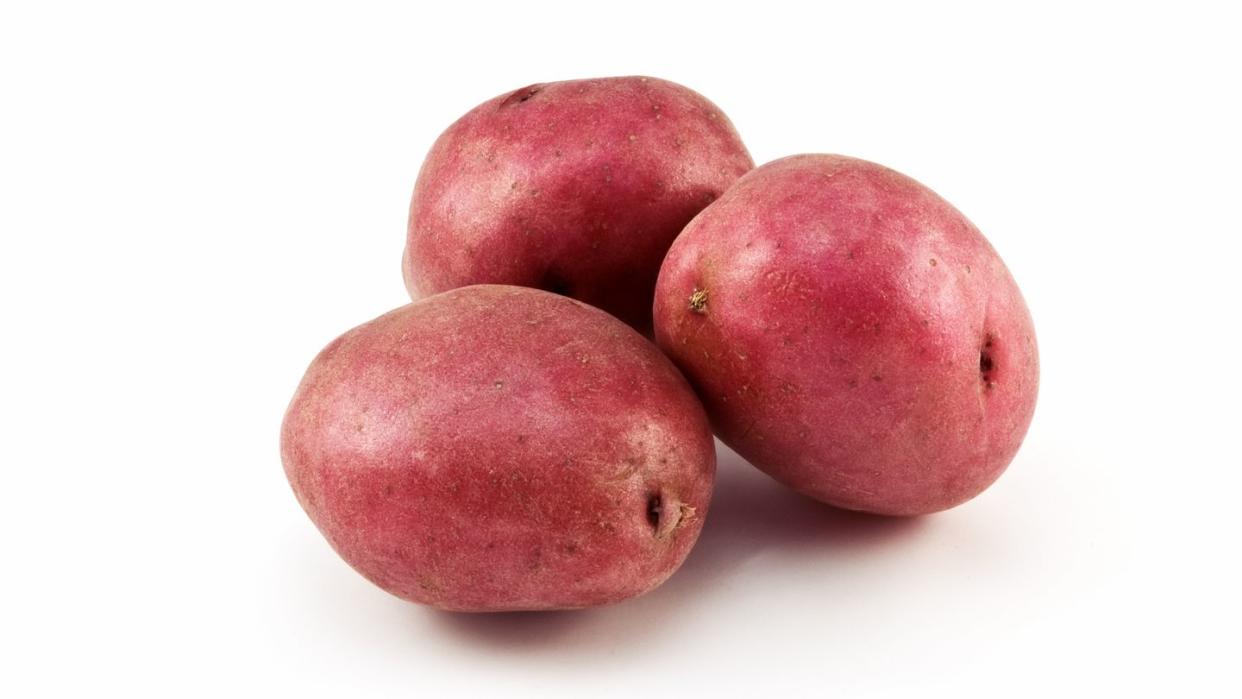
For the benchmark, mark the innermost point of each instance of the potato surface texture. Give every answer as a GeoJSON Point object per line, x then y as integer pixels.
{"type": "Point", "coordinates": [851, 334]}
{"type": "Point", "coordinates": [500, 448]}
{"type": "Point", "coordinates": [576, 187]}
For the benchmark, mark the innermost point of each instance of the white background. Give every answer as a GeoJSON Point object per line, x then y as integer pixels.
{"type": "Point", "coordinates": [195, 199]}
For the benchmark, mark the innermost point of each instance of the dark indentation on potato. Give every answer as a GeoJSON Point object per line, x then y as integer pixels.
{"type": "Point", "coordinates": [987, 364]}
{"type": "Point", "coordinates": [655, 507]}
{"type": "Point", "coordinates": [520, 96]}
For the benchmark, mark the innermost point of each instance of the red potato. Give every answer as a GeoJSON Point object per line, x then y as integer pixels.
{"type": "Point", "coordinates": [574, 187]}
{"type": "Point", "coordinates": [499, 448]}
{"type": "Point", "coordinates": [851, 334]}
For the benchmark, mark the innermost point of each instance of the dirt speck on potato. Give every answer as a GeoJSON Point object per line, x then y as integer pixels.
{"type": "Point", "coordinates": [698, 301]}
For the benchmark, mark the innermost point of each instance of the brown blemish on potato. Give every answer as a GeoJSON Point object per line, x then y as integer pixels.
{"type": "Point", "coordinates": [685, 513]}
{"type": "Point", "coordinates": [698, 301]}
{"type": "Point", "coordinates": [629, 467]}
{"type": "Point", "coordinates": [522, 95]}
{"type": "Point", "coordinates": [536, 559]}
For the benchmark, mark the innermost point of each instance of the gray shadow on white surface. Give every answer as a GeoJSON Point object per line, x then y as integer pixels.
{"type": "Point", "coordinates": [750, 515]}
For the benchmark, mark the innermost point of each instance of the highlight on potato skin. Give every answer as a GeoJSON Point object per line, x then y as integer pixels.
{"type": "Point", "coordinates": [576, 187]}
{"type": "Point", "coordinates": [851, 334]}
{"type": "Point", "coordinates": [497, 448]}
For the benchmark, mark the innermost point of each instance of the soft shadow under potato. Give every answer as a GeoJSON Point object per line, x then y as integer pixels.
{"type": "Point", "coordinates": [750, 514]}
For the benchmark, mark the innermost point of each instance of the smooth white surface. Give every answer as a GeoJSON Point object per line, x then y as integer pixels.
{"type": "Point", "coordinates": [193, 201]}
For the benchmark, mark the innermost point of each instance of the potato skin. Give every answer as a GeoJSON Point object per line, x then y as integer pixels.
{"type": "Point", "coordinates": [851, 334]}
{"type": "Point", "coordinates": [576, 187]}
{"type": "Point", "coordinates": [498, 448]}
